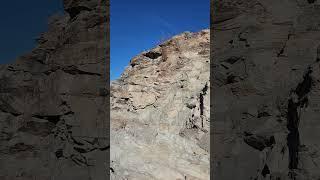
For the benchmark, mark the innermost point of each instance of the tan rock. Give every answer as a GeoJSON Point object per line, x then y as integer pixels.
{"type": "Point", "coordinates": [154, 143]}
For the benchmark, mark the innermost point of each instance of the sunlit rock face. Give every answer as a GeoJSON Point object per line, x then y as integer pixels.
{"type": "Point", "coordinates": [160, 112]}
{"type": "Point", "coordinates": [53, 122]}
{"type": "Point", "coordinates": [265, 78]}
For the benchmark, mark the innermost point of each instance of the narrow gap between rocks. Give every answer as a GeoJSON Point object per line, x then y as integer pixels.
{"type": "Point", "coordinates": [293, 118]}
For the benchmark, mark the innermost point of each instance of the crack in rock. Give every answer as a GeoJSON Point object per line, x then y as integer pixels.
{"type": "Point", "coordinates": [298, 100]}
{"type": "Point", "coordinates": [259, 142]}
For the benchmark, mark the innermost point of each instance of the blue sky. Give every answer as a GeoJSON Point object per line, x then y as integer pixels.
{"type": "Point", "coordinates": [140, 25]}
{"type": "Point", "coordinates": [22, 21]}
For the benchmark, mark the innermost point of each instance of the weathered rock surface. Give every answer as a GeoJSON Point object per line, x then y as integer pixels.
{"type": "Point", "coordinates": [160, 112]}
{"type": "Point", "coordinates": [265, 69]}
{"type": "Point", "coordinates": [53, 115]}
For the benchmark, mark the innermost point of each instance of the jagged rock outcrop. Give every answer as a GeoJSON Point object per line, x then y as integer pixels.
{"type": "Point", "coordinates": [265, 73]}
{"type": "Point", "coordinates": [53, 101]}
{"type": "Point", "coordinates": [160, 112]}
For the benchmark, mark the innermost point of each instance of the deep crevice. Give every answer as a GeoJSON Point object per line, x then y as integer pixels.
{"type": "Point", "coordinates": [304, 87]}
{"type": "Point", "coordinates": [203, 92]}
{"type": "Point", "coordinates": [205, 89]}
{"type": "Point", "coordinates": [265, 171]}
{"type": "Point", "coordinates": [112, 170]}
{"type": "Point", "coordinates": [201, 104]}
{"type": "Point", "coordinates": [280, 53]}
{"type": "Point", "coordinates": [51, 118]}
{"type": "Point", "coordinates": [311, 1]}
{"type": "Point", "coordinates": [293, 118]}
{"type": "Point", "coordinates": [74, 11]}
{"type": "Point", "coordinates": [74, 71]}
{"type": "Point", "coordinates": [104, 148]}
{"type": "Point", "coordinates": [152, 55]}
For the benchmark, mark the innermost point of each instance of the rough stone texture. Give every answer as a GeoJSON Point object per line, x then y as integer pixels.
{"type": "Point", "coordinates": [53, 101]}
{"type": "Point", "coordinates": [160, 113]}
{"type": "Point", "coordinates": [265, 74]}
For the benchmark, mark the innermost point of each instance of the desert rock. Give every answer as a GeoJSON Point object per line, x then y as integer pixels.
{"type": "Point", "coordinates": [265, 71]}
{"type": "Point", "coordinates": [160, 112]}
{"type": "Point", "coordinates": [53, 101]}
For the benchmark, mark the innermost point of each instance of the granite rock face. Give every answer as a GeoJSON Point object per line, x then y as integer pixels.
{"type": "Point", "coordinates": [53, 115]}
{"type": "Point", "coordinates": [265, 73]}
{"type": "Point", "coordinates": [160, 112]}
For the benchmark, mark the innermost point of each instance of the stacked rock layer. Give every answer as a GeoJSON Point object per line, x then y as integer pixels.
{"type": "Point", "coordinates": [160, 112]}
{"type": "Point", "coordinates": [265, 78]}
{"type": "Point", "coordinates": [53, 114]}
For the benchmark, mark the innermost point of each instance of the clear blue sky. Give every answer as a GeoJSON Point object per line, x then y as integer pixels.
{"type": "Point", "coordinates": [138, 25]}
{"type": "Point", "coordinates": [21, 22]}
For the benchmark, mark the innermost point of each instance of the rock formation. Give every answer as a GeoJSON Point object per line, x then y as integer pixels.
{"type": "Point", "coordinates": [160, 112]}
{"type": "Point", "coordinates": [265, 78]}
{"type": "Point", "coordinates": [53, 101]}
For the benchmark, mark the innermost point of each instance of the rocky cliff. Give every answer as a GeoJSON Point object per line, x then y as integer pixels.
{"type": "Point", "coordinates": [53, 105]}
{"type": "Point", "coordinates": [265, 78]}
{"type": "Point", "coordinates": [160, 112]}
